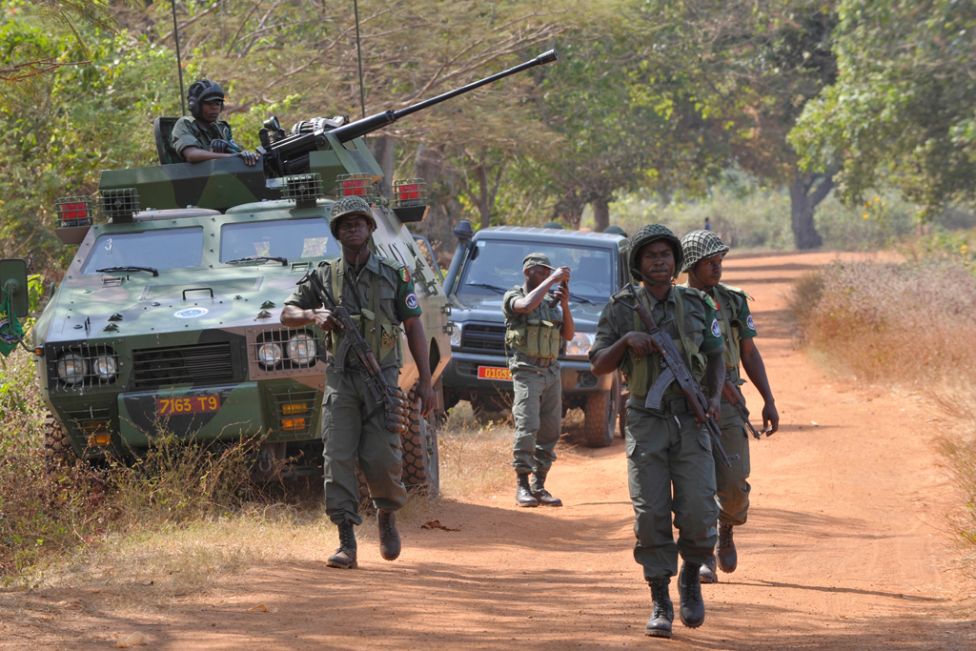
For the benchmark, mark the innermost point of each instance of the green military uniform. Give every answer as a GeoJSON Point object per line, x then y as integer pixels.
{"type": "Point", "coordinates": [379, 294]}
{"type": "Point", "coordinates": [736, 323]}
{"type": "Point", "coordinates": [190, 132]}
{"type": "Point", "coordinates": [666, 448]}
{"type": "Point", "coordinates": [533, 342]}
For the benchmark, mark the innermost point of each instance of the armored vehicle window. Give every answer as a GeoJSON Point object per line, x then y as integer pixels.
{"type": "Point", "coordinates": [498, 264]}
{"type": "Point", "coordinates": [169, 248]}
{"type": "Point", "coordinates": [292, 239]}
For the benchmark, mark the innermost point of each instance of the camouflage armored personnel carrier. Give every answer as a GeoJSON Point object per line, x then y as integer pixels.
{"type": "Point", "coordinates": [168, 315]}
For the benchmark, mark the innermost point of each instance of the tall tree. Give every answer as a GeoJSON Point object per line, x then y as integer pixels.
{"type": "Point", "coordinates": [901, 112]}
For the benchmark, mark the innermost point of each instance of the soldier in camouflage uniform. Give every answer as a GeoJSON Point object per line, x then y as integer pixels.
{"type": "Point", "coordinates": [703, 254]}
{"type": "Point", "coordinates": [669, 455]}
{"type": "Point", "coordinates": [379, 294]}
{"type": "Point", "coordinates": [202, 136]}
{"type": "Point", "coordinates": [534, 331]}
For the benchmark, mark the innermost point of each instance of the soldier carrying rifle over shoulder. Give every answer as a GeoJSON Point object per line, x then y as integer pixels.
{"type": "Point", "coordinates": [703, 254]}
{"type": "Point", "coordinates": [374, 296]}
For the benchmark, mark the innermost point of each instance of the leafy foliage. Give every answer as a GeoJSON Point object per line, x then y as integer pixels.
{"type": "Point", "coordinates": [901, 111]}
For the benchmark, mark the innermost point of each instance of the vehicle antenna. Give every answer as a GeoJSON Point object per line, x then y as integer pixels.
{"type": "Point", "coordinates": [359, 61]}
{"type": "Point", "coordinates": [179, 61]}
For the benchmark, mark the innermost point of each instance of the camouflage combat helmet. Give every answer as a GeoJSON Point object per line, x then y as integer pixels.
{"type": "Point", "coordinates": [698, 245]}
{"type": "Point", "coordinates": [646, 235]}
{"type": "Point", "coordinates": [346, 206]}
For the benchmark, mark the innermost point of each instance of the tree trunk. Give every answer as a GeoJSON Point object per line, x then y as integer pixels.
{"type": "Point", "coordinates": [484, 195]}
{"type": "Point", "coordinates": [805, 195]}
{"type": "Point", "coordinates": [384, 150]}
{"type": "Point", "coordinates": [601, 214]}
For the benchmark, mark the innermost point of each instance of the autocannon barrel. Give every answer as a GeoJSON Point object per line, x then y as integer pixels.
{"type": "Point", "coordinates": [378, 120]}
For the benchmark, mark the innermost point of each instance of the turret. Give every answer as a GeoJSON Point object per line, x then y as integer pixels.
{"type": "Point", "coordinates": [329, 148]}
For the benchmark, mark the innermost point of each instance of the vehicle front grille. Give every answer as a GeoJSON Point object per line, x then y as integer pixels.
{"type": "Point", "coordinates": [476, 336]}
{"type": "Point", "coordinates": [197, 364]}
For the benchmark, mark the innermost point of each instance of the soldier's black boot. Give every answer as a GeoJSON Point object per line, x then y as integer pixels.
{"type": "Point", "coordinates": [540, 493]}
{"type": "Point", "coordinates": [689, 591]}
{"type": "Point", "coordinates": [662, 610]}
{"type": "Point", "coordinates": [389, 536]}
{"type": "Point", "coordinates": [523, 494]}
{"type": "Point", "coordinates": [727, 557]}
{"type": "Point", "coordinates": [707, 572]}
{"type": "Point", "coordinates": [345, 556]}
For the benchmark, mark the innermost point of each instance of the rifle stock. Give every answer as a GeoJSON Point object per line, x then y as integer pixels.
{"type": "Point", "coordinates": [695, 397]}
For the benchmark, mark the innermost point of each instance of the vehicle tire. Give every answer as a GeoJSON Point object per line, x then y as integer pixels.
{"type": "Point", "coordinates": [58, 453]}
{"type": "Point", "coordinates": [600, 421]}
{"type": "Point", "coordinates": [421, 459]}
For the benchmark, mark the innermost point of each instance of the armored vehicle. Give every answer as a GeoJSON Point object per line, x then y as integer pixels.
{"type": "Point", "coordinates": [168, 315]}
{"type": "Point", "coordinates": [486, 264]}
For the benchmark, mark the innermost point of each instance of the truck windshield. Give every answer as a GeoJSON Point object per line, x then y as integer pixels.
{"type": "Point", "coordinates": [169, 248]}
{"type": "Point", "coordinates": [291, 239]}
{"type": "Point", "coordinates": [497, 264]}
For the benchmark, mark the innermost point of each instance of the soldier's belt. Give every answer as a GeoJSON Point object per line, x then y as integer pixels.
{"type": "Point", "coordinates": [543, 362]}
{"type": "Point", "coordinates": [669, 404]}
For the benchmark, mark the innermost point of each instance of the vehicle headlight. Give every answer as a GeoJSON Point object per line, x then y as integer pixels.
{"type": "Point", "coordinates": [72, 368]}
{"type": "Point", "coordinates": [456, 335]}
{"type": "Point", "coordinates": [580, 344]}
{"type": "Point", "coordinates": [269, 354]}
{"type": "Point", "coordinates": [301, 349]}
{"type": "Point", "coordinates": [106, 366]}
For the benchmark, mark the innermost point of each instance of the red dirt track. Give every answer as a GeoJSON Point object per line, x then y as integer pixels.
{"type": "Point", "coordinates": [847, 547]}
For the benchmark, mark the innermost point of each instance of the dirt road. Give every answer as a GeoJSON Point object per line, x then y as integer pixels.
{"type": "Point", "coordinates": [847, 547]}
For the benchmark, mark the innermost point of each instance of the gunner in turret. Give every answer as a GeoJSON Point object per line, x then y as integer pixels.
{"type": "Point", "coordinates": [202, 135]}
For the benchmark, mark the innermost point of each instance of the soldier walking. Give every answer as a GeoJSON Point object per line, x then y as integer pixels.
{"type": "Point", "coordinates": [669, 455]}
{"type": "Point", "coordinates": [703, 254]}
{"type": "Point", "coordinates": [535, 326]}
{"type": "Point", "coordinates": [380, 296]}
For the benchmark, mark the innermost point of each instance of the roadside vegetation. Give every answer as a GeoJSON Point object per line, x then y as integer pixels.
{"type": "Point", "coordinates": [908, 323]}
{"type": "Point", "coordinates": [182, 513]}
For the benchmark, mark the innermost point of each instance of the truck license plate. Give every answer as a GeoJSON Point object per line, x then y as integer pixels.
{"type": "Point", "coordinates": [494, 373]}
{"type": "Point", "coordinates": [196, 404]}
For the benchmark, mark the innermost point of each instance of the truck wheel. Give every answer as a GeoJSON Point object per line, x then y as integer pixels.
{"type": "Point", "coordinates": [421, 469]}
{"type": "Point", "coordinates": [600, 420]}
{"type": "Point", "coordinates": [58, 452]}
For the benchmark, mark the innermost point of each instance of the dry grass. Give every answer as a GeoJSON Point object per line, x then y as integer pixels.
{"type": "Point", "coordinates": [475, 459]}
{"type": "Point", "coordinates": [907, 324]}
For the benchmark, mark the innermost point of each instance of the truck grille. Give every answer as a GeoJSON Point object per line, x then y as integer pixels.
{"type": "Point", "coordinates": [197, 364]}
{"type": "Point", "coordinates": [483, 337]}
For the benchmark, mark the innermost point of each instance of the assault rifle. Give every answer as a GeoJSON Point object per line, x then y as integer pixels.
{"type": "Point", "coordinates": [732, 395]}
{"type": "Point", "coordinates": [676, 371]}
{"type": "Point", "coordinates": [392, 397]}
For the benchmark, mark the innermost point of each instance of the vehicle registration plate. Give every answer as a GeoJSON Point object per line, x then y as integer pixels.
{"type": "Point", "coordinates": [196, 404]}
{"type": "Point", "coordinates": [494, 373]}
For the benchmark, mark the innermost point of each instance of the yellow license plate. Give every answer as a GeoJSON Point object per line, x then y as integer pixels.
{"type": "Point", "coordinates": [494, 373]}
{"type": "Point", "coordinates": [198, 404]}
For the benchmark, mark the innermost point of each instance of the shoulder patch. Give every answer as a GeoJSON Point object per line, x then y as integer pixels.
{"type": "Point", "coordinates": [750, 323]}
{"type": "Point", "coordinates": [411, 301]}
{"type": "Point", "coordinates": [707, 300]}
{"type": "Point", "coordinates": [716, 329]}
{"type": "Point", "coordinates": [405, 277]}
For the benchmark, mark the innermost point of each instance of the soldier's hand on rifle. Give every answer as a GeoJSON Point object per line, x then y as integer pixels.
{"type": "Point", "coordinates": [770, 418]}
{"type": "Point", "coordinates": [641, 343]}
{"type": "Point", "coordinates": [323, 319]}
{"type": "Point", "coordinates": [714, 407]}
